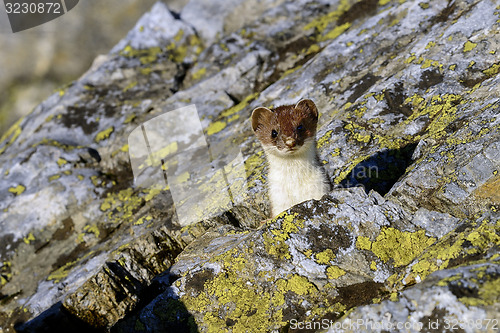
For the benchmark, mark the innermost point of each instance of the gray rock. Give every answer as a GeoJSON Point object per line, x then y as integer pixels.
{"type": "Point", "coordinates": [388, 78]}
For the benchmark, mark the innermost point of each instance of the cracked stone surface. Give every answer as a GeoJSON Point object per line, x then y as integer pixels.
{"type": "Point", "coordinates": [408, 133]}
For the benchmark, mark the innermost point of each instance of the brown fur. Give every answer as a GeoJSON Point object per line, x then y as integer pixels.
{"type": "Point", "coordinates": [285, 120]}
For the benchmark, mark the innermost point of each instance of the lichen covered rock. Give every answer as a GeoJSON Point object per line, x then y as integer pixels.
{"type": "Point", "coordinates": [408, 101]}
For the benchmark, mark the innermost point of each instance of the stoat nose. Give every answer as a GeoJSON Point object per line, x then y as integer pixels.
{"type": "Point", "coordinates": [290, 142]}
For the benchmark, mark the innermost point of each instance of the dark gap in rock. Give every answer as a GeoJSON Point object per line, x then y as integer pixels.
{"type": "Point", "coordinates": [360, 293]}
{"type": "Point", "coordinates": [54, 320]}
{"type": "Point", "coordinates": [94, 154]}
{"type": "Point", "coordinates": [432, 322]}
{"type": "Point", "coordinates": [179, 77]}
{"type": "Point", "coordinates": [445, 13]}
{"type": "Point", "coordinates": [72, 257]}
{"type": "Point", "coordinates": [381, 171]}
{"type": "Point", "coordinates": [395, 100]}
{"type": "Point", "coordinates": [233, 98]}
{"type": "Point", "coordinates": [430, 78]}
{"type": "Point", "coordinates": [175, 316]}
{"type": "Point", "coordinates": [358, 10]}
{"type": "Point", "coordinates": [361, 86]}
{"type": "Point", "coordinates": [463, 259]}
{"type": "Point", "coordinates": [232, 219]}
{"type": "Point", "coordinates": [123, 278]}
{"type": "Point", "coordinates": [175, 15]}
{"type": "Point", "coordinates": [459, 289]}
{"type": "Point", "coordinates": [289, 48]}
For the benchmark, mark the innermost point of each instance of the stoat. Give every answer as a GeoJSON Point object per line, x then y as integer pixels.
{"type": "Point", "coordinates": [288, 137]}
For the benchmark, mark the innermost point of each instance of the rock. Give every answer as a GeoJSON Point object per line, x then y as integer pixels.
{"type": "Point", "coordinates": [408, 134]}
{"type": "Point", "coordinates": [464, 298]}
{"type": "Point", "coordinates": [39, 61]}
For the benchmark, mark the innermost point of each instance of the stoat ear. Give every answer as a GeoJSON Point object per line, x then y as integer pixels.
{"type": "Point", "coordinates": [307, 104]}
{"type": "Point", "coordinates": [259, 116]}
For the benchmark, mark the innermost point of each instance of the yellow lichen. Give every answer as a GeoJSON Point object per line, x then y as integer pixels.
{"type": "Point", "coordinates": [61, 161]}
{"type": "Point", "coordinates": [246, 307]}
{"type": "Point", "coordinates": [28, 239]}
{"type": "Point", "coordinates": [54, 177]}
{"type": "Point", "coordinates": [324, 257]}
{"type": "Point", "coordinates": [199, 73]}
{"type": "Point", "coordinates": [493, 70]}
{"type": "Point", "coordinates": [275, 245]}
{"type": "Point", "coordinates": [469, 46]}
{"type": "Point", "coordinates": [297, 284]}
{"type": "Point", "coordinates": [334, 272]}
{"type": "Point", "coordinates": [337, 31]}
{"type": "Point", "coordinates": [393, 244]}
{"type": "Point", "coordinates": [17, 190]}
{"type": "Point", "coordinates": [216, 127]}
{"type": "Point", "coordinates": [104, 134]}
{"type": "Point", "coordinates": [321, 23]}
{"type": "Point", "coordinates": [13, 132]}
{"type": "Point", "coordinates": [489, 293]}
{"type": "Point", "coordinates": [325, 139]}
{"type": "Point", "coordinates": [94, 229]}
{"type": "Point", "coordinates": [430, 45]}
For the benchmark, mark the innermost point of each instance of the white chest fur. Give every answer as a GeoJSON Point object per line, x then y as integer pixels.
{"type": "Point", "coordinates": [294, 179]}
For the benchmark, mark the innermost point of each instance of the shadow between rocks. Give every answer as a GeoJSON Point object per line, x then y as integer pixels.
{"type": "Point", "coordinates": [158, 311]}
{"type": "Point", "coordinates": [55, 320]}
{"type": "Point", "coordinates": [381, 171]}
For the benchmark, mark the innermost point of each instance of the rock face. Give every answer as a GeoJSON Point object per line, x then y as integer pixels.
{"type": "Point", "coordinates": [408, 133]}
{"type": "Point", "coordinates": [35, 62]}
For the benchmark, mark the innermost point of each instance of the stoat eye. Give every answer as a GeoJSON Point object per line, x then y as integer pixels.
{"type": "Point", "coordinates": [300, 127]}
{"type": "Point", "coordinates": [274, 134]}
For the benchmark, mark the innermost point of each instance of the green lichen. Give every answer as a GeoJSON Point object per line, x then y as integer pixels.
{"type": "Point", "coordinates": [199, 73]}
{"type": "Point", "coordinates": [28, 239]}
{"type": "Point", "coordinates": [275, 244]}
{"type": "Point", "coordinates": [320, 24]}
{"type": "Point", "coordinates": [17, 189]}
{"type": "Point", "coordinates": [438, 256]}
{"type": "Point", "coordinates": [12, 134]}
{"type": "Point", "coordinates": [216, 127]}
{"type": "Point", "coordinates": [489, 294]}
{"type": "Point", "coordinates": [493, 70]}
{"type": "Point", "coordinates": [469, 46]}
{"type": "Point", "coordinates": [400, 246]}
{"type": "Point", "coordinates": [94, 229]}
{"type": "Point", "coordinates": [325, 139]}
{"type": "Point", "coordinates": [334, 272]}
{"type": "Point", "coordinates": [297, 284]}
{"type": "Point", "coordinates": [104, 134]}
{"type": "Point", "coordinates": [324, 257]}
{"type": "Point", "coordinates": [145, 56]}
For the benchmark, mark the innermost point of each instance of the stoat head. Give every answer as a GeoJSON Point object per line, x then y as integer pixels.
{"type": "Point", "coordinates": [287, 130]}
